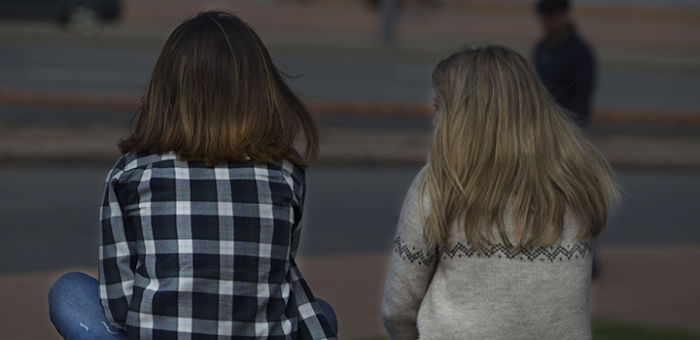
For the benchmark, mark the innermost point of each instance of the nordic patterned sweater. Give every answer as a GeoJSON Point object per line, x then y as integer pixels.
{"type": "Point", "coordinates": [459, 293]}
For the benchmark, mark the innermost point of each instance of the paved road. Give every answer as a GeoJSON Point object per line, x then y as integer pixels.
{"type": "Point", "coordinates": [125, 71]}
{"type": "Point", "coordinates": [50, 214]}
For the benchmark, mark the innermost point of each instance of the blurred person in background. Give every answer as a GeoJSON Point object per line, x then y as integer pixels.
{"type": "Point", "coordinates": [564, 61]}
{"type": "Point", "coordinates": [201, 216]}
{"type": "Point", "coordinates": [566, 65]}
{"type": "Point", "coordinates": [495, 234]}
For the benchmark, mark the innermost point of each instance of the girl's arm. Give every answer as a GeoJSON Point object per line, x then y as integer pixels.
{"type": "Point", "coordinates": [410, 272]}
{"type": "Point", "coordinates": [117, 256]}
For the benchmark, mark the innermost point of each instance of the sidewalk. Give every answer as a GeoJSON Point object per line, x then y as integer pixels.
{"type": "Point", "coordinates": [639, 285]}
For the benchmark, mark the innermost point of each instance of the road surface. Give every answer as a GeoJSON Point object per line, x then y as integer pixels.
{"type": "Point", "coordinates": [50, 214]}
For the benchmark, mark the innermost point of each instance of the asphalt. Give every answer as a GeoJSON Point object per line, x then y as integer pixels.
{"type": "Point", "coordinates": [643, 283]}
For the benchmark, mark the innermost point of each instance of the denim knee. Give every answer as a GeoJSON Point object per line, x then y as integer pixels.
{"type": "Point", "coordinates": [64, 290]}
{"type": "Point", "coordinates": [329, 313]}
{"type": "Point", "coordinates": [75, 310]}
{"type": "Point", "coordinates": [63, 285]}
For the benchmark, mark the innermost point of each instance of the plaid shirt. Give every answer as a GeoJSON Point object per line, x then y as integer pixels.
{"type": "Point", "coordinates": [189, 251]}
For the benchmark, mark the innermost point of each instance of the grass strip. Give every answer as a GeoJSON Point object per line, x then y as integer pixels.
{"type": "Point", "coordinates": [612, 330]}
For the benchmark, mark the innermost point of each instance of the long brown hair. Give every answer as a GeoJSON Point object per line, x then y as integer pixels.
{"type": "Point", "coordinates": [215, 95]}
{"type": "Point", "coordinates": [502, 143]}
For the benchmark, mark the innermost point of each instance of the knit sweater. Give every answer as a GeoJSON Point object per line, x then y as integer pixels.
{"type": "Point", "coordinates": [460, 293]}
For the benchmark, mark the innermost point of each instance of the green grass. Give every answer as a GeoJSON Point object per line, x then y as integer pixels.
{"type": "Point", "coordinates": [610, 330]}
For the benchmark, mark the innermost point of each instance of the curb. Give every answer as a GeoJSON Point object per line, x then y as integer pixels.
{"type": "Point", "coordinates": [71, 100]}
{"type": "Point", "coordinates": [340, 108]}
{"type": "Point", "coordinates": [677, 118]}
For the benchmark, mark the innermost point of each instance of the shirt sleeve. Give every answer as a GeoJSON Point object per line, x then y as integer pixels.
{"type": "Point", "coordinates": [117, 255]}
{"type": "Point", "coordinates": [312, 323]}
{"type": "Point", "coordinates": [410, 271]}
{"type": "Point", "coordinates": [298, 182]}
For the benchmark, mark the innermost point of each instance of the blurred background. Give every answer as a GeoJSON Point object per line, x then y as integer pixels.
{"type": "Point", "coordinates": [72, 74]}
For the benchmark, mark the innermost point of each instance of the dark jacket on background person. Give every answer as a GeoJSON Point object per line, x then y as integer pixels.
{"type": "Point", "coordinates": [568, 72]}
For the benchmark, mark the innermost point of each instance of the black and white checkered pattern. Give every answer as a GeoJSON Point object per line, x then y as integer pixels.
{"type": "Point", "coordinates": [205, 252]}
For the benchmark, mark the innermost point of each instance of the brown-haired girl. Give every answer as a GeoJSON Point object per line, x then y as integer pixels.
{"type": "Point", "coordinates": [201, 216]}
{"type": "Point", "coordinates": [494, 239]}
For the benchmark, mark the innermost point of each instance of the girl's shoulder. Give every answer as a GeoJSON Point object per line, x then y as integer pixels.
{"type": "Point", "coordinates": [134, 164]}
{"type": "Point", "coordinates": [414, 191]}
{"type": "Point", "coordinates": [141, 160]}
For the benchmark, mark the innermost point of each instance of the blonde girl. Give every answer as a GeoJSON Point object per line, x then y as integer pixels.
{"type": "Point", "coordinates": [494, 238]}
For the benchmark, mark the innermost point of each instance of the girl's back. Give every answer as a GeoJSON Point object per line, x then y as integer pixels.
{"type": "Point", "coordinates": [206, 240]}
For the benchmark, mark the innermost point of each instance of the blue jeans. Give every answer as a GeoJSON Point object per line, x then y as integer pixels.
{"type": "Point", "coordinates": [76, 312]}
{"type": "Point", "coordinates": [75, 309]}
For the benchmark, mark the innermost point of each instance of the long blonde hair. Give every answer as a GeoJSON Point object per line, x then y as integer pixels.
{"type": "Point", "coordinates": [501, 141]}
